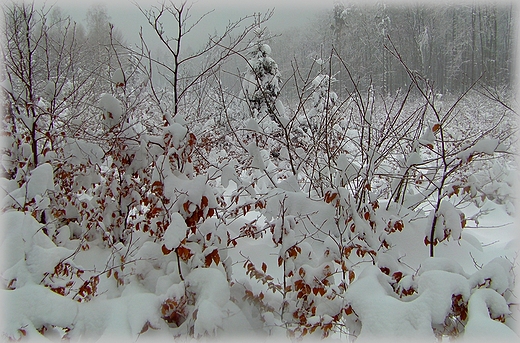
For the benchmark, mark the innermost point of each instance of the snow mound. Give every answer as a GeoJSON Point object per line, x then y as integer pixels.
{"type": "Point", "coordinates": [214, 311]}
{"type": "Point", "coordinates": [112, 110]}
{"type": "Point", "coordinates": [480, 326]}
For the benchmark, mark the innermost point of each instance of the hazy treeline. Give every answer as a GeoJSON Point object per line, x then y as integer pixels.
{"type": "Point", "coordinates": [450, 45]}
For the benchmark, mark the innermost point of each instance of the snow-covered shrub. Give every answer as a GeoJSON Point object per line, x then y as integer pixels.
{"type": "Point", "coordinates": [377, 182]}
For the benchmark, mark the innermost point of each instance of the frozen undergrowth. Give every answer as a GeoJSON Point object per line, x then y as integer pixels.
{"type": "Point", "coordinates": [245, 251]}
{"type": "Point", "coordinates": [124, 312]}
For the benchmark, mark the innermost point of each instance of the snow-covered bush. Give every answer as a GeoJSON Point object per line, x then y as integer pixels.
{"type": "Point", "coordinates": [377, 187]}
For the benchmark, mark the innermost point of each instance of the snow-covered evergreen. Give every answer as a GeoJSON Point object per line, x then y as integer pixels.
{"type": "Point", "coordinates": [262, 80]}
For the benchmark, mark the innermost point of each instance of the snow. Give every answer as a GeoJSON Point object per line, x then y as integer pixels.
{"type": "Point", "coordinates": [176, 231]}
{"type": "Point", "coordinates": [6, 84]}
{"type": "Point", "coordinates": [428, 137]}
{"type": "Point", "coordinates": [216, 308]}
{"type": "Point", "coordinates": [118, 77]}
{"type": "Point", "coordinates": [486, 146]}
{"type": "Point", "coordinates": [32, 306]}
{"type": "Point", "coordinates": [449, 219]}
{"type": "Point", "coordinates": [13, 236]}
{"type": "Point", "coordinates": [435, 289]}
{"type": "Point", "coordinates": [258, 161]}
{"type": "Point", "coordinates": [122, 318]}
{"type": "Point", "coordinates": [441, 263]}
{"type": "Point", "coordinates": [112, 110]}
{"type": "Point", "coordinates": [40, 181]}
{"type": "Point", "coordinates": [413, 158]}
{"type": "Point", "coordinates": [483, 146]}
{"type": "Point", "coordinates": [215, 312]}
{"type": "Point", "coordinates": [229, 174]}
{"type": "Point", "coordinates": [480, 327]}
{"type": "Point", "coordinates": [266, 49]}
{"type": "Point", "coordinates": [209, 319]}
{"type": "Point", "coordinates": [209, 284]}
{"type": "Point", "coordinates": [50, 90]}
{"type": "Point", "coordinates": [82, 152]}
{"type": "Point", "coordinates": [498, 271]}
{"type": "Point", "coordinates": [41, 260]}
{"type": "Point", "coordinates": [320, 80]}
{"type": "Point", "coordinates": [178, 133]}
{"type": "Point", "coordinates": [280, 110]}
{"type": "Point", "coordinates": [370, 299]}
{"type": "Point", "coordinates": [252, 125]}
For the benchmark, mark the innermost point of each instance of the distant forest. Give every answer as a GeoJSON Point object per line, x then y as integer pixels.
{"type": "Point", "coordinates": [452, 46]}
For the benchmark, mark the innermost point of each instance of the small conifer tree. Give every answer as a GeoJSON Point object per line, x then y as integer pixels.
{"type": "Point", "coordinates": [262, 80]}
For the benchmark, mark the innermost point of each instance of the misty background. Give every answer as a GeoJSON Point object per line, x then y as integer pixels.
{"type": "Point", "coordinates": [451, 45]}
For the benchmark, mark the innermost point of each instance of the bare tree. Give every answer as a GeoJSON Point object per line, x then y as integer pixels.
{"type": "Point", "coordinates": [217, 49]}
{"type": "Point", "coordinates": [42, 58]}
